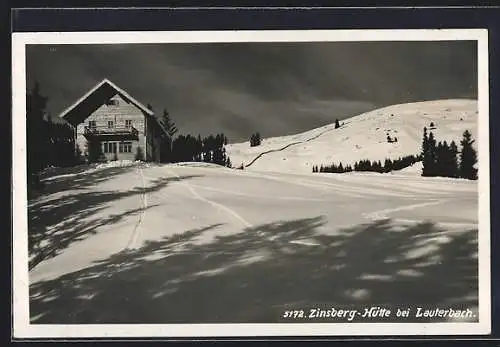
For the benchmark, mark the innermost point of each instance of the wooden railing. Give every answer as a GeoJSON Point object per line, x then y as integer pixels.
{"type": "Point", "coordinates": [104, 131]}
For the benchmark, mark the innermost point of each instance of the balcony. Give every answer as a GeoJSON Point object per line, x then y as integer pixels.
{"type": "Point", "coordinates": [123, 132]}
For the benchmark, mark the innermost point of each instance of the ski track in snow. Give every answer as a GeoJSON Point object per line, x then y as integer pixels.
{"type": "Point", "coordinates": [323, 186]}
{"type": "Point", "coordinates": [224, 191]}
{"type": "Point", "coordinates": [132, 243]}
{"type": "Point", "coordinates": [382, 214]}
{"type": "Point", "coordinates": [213, 203]}
{"type": "Point", "coordinates": [342, 189]}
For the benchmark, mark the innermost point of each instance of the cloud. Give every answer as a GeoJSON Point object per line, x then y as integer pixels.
{"type": "Point", "coordinates": [275, 88]}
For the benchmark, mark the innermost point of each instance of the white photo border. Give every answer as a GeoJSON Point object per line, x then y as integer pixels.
{"type": "Point", "coordinates": [21, 322]}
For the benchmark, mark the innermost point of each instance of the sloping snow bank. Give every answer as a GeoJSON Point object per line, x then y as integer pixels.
{"type": "Point", "coordinates": [118, 163]}
{"type": "Point", "coordinates": [199, 164]}
{"type": "Point", "coordinates": [413, 170]}
{"type": "Point", "coordinates": [60, 172]}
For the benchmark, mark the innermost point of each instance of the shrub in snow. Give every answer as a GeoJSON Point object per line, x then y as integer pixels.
{"type": "Point", "coordinates": [255, 140]}
{"type": "Point", "coordinates": [139, 155]}
{"type": "Point", "coordinates": [94, 150]}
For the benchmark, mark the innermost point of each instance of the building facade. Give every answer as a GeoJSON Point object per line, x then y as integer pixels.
{"type": "Point", "coordinates": [109, 124]}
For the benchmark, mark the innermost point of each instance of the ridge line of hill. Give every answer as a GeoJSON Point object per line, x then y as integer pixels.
{"type": "Point", "coordinates": [390, 132]}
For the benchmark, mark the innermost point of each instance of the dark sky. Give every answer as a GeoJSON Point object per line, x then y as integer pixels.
{"type": "Point", "coordinates": [274, 88]}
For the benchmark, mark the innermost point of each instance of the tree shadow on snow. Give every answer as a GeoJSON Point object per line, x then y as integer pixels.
{"type": "Point", "coordinates": [54, 224]}
{"type": "Point", "coordinates": [77, 177]}
{"type": "Point", "coordinates": [255, 275]}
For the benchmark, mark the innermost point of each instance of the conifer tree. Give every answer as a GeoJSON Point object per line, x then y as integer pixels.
{"type": "Point", "coordinates": [199, 148]}
{"type": "Point", "coordinates": [445, 160]}
{"type": "Point", "coordinates": [468, 157]}
{"type": "Point", "coordinates": [426, 164]}
{"type": "Point", "coordinates": [447, 163]}
{"type": "Point", "coordinates": [255, 140]}
{"type": "Point", "coordinates": [428, 154]}
{"type": "Point", "coordinates": [36, 130]}
{"type": "Point", "coordinates": [166, 144]}
{"type": "Point", "coordinates": [453, 164]}
{"type": "Point", "coordinates": [388, 165]}
{"type": "Point", "coordinates": [439, 169]}
{"type": "Point", "coordinates": [258, 140]}
{"type": "Point", "coordinates": [432, 153]}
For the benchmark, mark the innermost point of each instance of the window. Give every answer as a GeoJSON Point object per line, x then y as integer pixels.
{"type": "Point", "coordinates": [128, 123]}
{"type": "Point", "coordinates": [112, 102]}
{"type": "Point", "coordinates": [111, 124]}
{"type": "Point", "coordinates": [125, 147]}
{"type": "Point", "coordinates": [128, 147]}
{"type": "Point", "coordinates": [109, 147]}
{"type": "Point", "coordinates": [92, 124]}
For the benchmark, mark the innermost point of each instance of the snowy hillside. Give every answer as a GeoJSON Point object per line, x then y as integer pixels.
{"type": "Point", "coordinates": [361, 137]}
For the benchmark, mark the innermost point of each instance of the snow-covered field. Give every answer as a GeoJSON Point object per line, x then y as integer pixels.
{"type": "Point", "coordinates": [361, 137]}
{"type": "Point", "coordinates": [196, 243]}
{"type": "Point", "coordinates": [129, 242]}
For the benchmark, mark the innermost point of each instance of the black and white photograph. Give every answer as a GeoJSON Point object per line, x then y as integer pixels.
{"type": "Point", "coordinates": [203, 183]}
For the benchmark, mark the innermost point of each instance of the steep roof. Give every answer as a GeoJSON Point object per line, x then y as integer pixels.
{"type": "Point", "coordinates": [94, 98]}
